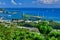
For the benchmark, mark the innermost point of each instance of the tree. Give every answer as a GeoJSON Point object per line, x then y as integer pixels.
{"type": "Point", "coordinates": [53, 38]}
{"type": "Point", "coordinates": [44, 28]}
{"type": "Point", "coordinates": [54, 33]}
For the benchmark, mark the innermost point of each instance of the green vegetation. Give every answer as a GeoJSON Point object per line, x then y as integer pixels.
{"type": "Point", "coordinates": [14, 33]}
{"type": "Point", "coordinates": [55, 34]}
{"type": "Point", "coordinates": [44, 28]}
{"type": "Point", "coordinates": [46, 32]}
{"type": "Point", "coordinates": [55, 25]}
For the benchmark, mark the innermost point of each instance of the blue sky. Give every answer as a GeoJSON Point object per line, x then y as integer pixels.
{"type": "Point", "coordinates": [29, 3]}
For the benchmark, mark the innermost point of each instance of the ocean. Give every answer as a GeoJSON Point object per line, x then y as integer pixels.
{"type": "Point", "coordinates": [48, 13]}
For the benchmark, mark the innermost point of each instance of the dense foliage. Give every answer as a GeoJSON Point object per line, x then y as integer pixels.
{"type": "Point", "coordinates": [44, 28]}
{"type": "Point", "coordinates": [55, 34]}
{"type": "Point", "coordinates": [55, 25]}
{"type": "Point", "coordinates": [14, 33]}
{"type": "Point", "coordinates": [48, 32]}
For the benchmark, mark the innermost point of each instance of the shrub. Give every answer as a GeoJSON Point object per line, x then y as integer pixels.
{"type": "Point", "coordinates": [44, 28]}
{"type": "Point", "coordinates": [13, 33]}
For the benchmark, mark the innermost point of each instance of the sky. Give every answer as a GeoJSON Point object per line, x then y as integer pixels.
{"type": "Point", "coordinates": [29, 3]}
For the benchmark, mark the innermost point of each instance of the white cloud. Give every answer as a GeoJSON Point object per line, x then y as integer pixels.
{"type": "Point", "coordinates": [48, 1]}
{"type": "Point", "coordinates": [13, 2]}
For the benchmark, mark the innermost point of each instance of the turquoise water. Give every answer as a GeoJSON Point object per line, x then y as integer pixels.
{"type": "Point", "coordinates": [48, 13]}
